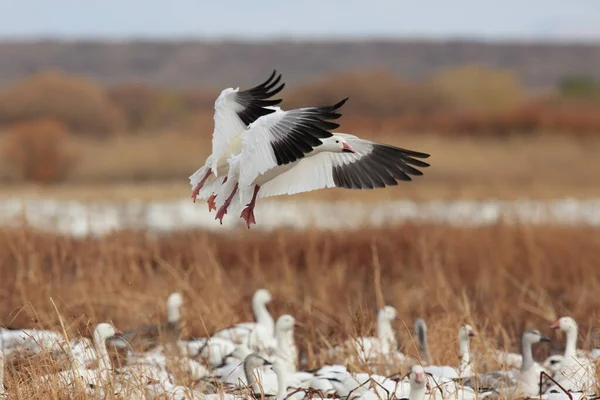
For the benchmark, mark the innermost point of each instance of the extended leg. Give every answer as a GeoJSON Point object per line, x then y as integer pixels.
{"type": "Point", "coordinates": [223, 210]}
{"type": "Point", "coordinates": [199, 185]}
{"type": "Point", "coordinates": [211, 199]}
{"type": "Point", "coordinates": [248, 213]}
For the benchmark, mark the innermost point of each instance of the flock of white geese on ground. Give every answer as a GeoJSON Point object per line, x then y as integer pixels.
{"type": "Point", "coordinates": [260, 359]}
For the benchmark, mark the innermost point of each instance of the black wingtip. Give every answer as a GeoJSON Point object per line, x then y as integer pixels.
{"type": "Point", "coordinates": [341, 103]}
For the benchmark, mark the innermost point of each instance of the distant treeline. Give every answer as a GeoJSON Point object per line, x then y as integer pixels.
{"type": "Point", "coordinates": [469, 99]}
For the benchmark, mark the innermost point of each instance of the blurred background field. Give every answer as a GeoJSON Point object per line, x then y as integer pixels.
{"type": "Point", "coordinates": [93, 111]}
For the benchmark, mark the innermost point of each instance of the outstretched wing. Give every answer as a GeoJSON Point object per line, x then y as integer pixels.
{"type": "Point", "coordinates": [284, 137]}
{"type": "Point", "coordinates": [235, 110]}
{"type": "Point", "coordinates": [373, 165]}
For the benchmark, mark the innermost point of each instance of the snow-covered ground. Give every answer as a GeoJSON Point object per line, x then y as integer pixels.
{"type": "Point", "coordinates": [77, 218]}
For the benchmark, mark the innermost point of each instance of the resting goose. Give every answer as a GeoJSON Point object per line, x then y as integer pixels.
{"type": "Point", "coordinates": [234, 111]}
{"type": "Point", "coordinates": [286, 350]}
{"type": "Point", "coordinates": [17, 342]}
{"type": "Point", "coordinates": [90, 378]}
{"type": "Point", "coordinates": [528, 377]}
{"type": "Point", "coordinates": [148, 336]}
{"type": "Point", "coordinates": [372, 349]}
{"type": "Point", "coordinates": [574, 373]}
{"type": "Point", "coordinates": [465, 369]}
{"type": "Point", "coordinates": [263, 329]}
{"type": "Point", "coordinates": [418, 381]}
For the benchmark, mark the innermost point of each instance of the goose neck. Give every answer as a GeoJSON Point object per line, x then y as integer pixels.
{"type": "Point", "coordinates": [385, 332]}
{"type": "Point", "coordinates": [417, 392]}
{"type": "Point", "coordinates": [465, 355]}
{"type": "Point", "coordinates": [251, 378]}
{"type": "Point", "coordinates": [104, 364]}
{"type": "Point", "coordinates": [527, 354]}
{"type": "Point", "coordinates": [571, 345]}
{"type": "Point", "coordinates": [262, 315]}
{"type": "Point", "coordinates": [281, 384]}
{"type": "Point", "coordinates": [173, 314]}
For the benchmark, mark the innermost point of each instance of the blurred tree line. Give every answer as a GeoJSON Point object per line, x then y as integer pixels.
{"type": "Point", "coordinates": [44, 110]}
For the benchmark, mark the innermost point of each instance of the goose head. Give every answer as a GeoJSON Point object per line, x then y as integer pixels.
{"type": "Point", "coordinates": [286, 323]}
{"type": "Point", "coordinates": [534, 336]}
{"type": "Point", "coordinates": [336, 144]}
{"type": "Point", "coordinates": [262, 296]}
{"type": "Point", "coordinates": [175, 300]}
{"type": "Point", "coordinates": [103, 331]}
{"type": "Point", "coordinates": [466, 332]}
{"type": "Point", "coordinates": [388, 313]}
{"type": "Point", "coordinates": [253, 361]}
{"type": "Point", "coordinates": [417, 377]}
{"type": "Point", "coordinates": [565, 324]}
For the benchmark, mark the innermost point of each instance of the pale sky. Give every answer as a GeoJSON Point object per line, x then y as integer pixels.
{"type": "Point", "coordinates": [252, 19]}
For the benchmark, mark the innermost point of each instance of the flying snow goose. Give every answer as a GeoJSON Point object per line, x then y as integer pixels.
{"type": "Point", "coordinates": [342, 161]}
{"type": "Point", "coordinates": [270, 146]}
{"type": "Point", "coordinates": [574, 373]}
{"type": "Point", "coordinates": [465, 369]}
{"type": "Point", "coordinates": [234, 111]}
{"type": "Point", "coordinates": [148, 336]}
{"type": "Point", "coordinates": [263, 328]}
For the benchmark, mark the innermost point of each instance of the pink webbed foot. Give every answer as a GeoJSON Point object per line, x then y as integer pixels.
{"type": "Point", "coordinates": [211, 203]}
{"type": "Point", "coordinates": [248, 215]}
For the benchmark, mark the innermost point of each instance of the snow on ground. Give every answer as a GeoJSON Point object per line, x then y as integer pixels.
{"type": "Point", "coordinates": [80, 219]}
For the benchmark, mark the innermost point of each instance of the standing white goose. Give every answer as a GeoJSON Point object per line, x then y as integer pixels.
{"type": "Point", "coordinates": [465, 369]}
{"type": "Point", "coordinates": [574, 373]}
{"type": "Point", "coordinates": [234, 111]}
{"type": "Point", "coordinates": [261, 332]}
{"type": "Point", "coordinates": [528, 377]}
{"type": "Point", "coordinates": [370, 349]}
{"type": "Point", "coordinates": [271, 163]}
{"type": "Point", "coordinates": [286, 351]}
{"type": "Point", "coordinates": [270, 146]}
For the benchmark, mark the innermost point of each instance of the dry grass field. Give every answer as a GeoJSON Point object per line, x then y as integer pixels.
{"type": "Point", "coordinates": [501, 279]}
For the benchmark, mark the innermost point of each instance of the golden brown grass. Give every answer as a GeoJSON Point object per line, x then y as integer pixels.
{"type": "Point", "coordinates": [157, 168]}
{"type": "Point", "coordinates": [501, 279]}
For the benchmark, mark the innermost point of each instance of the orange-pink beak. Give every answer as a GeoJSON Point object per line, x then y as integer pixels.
{"type": "Point", "coordinates": [555, 325]}
{"type": "Point", "coordinates": [346, 148]}
{"type": "Point", "coordinates": [419, 378]}
{"type": "Point", "coordinates": [472, 333]}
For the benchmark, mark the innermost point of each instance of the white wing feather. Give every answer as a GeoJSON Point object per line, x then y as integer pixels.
{"type": "Point", "coordinates": [313, 172]}
{"type": "Point", "coordinates": [257, 156]}
{"type": "Point", "coordinates": [227, 123]}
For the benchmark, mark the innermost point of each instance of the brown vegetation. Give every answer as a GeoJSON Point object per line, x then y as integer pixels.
{"type": "Point", "coordinates": [501, 279]}
{"type": "Point", "coordinates": [74, 101]}
{"type": "Point", "coordinates": [38, 151]}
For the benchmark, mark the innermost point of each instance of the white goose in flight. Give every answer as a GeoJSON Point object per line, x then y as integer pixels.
{"type": "Point", "coordinates": [271, 145]}
{"type": "Point", "coordinates": [272, 162]}
{"type": "Point", "coordinates": [234, 111]}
